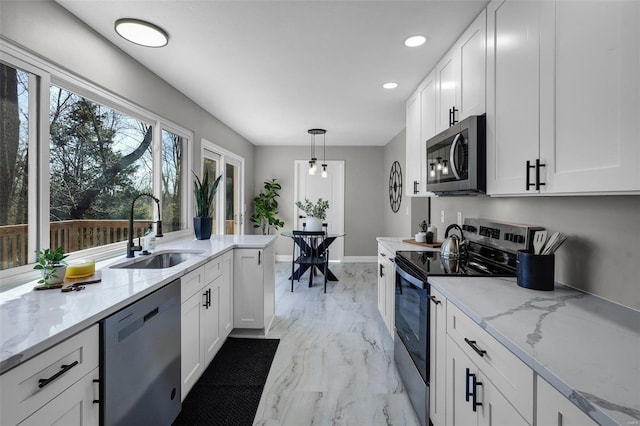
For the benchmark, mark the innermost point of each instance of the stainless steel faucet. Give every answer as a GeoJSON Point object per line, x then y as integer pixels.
{"type": "Point", "coordinates": [131, 248]}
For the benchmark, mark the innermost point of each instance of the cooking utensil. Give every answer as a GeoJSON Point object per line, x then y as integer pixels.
{"type": "Point", "coordinates": [555, 241]}
{"type": "Point", "coordinates": [539, 239]}
{"type": "Point", "coordinates": [453, 246]}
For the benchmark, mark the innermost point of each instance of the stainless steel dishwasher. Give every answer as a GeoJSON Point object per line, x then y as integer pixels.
{"type": "Point", "coordinates": [140, 361]}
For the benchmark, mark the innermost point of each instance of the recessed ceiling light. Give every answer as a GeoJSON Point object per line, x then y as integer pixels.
{"type": "Point", "coordinates": [141, 32]}
{"type": "Point", "coordinates": [415, 41]}
{"type": "Point", "coordinates": [390, 85]}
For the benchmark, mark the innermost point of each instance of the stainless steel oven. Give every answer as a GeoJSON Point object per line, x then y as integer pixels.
{"type": "Point", "coordinates": [456, 162]}
{"type": "Point", "coordinates": [411, 340]}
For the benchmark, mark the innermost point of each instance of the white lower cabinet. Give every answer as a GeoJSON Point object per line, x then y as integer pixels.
{"type": "Point", "coordinates": [76, 406]}
{"type": "Point", "coordinates": [386, 287]}
{"type": "Point", "coordinates": [254, 288]}
{"type": "Point", "coordinates": [553, 409]}
{"type": "Point", "coordinates": [437, 357]}
{"type": "Point", "coordinates": [472, 399]}
{"type": "Point", "coordinates": [59, 386]}
{"type": "Point", "coordinates": [204, 294]}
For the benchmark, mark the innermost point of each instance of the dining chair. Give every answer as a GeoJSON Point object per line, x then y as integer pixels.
{"type": "Point", "coordinates": [309, 253]}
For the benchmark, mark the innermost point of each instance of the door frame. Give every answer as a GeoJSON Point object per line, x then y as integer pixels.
{"type": "Point", "coordinates": [297, 163]}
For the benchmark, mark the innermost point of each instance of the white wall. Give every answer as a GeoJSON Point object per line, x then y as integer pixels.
{"type": "Point", "coordinates": [49, 31]}
{"type": "Point", "coordinates": [364, 193]}
{"type": "Point", "coordinates": [396, 224]}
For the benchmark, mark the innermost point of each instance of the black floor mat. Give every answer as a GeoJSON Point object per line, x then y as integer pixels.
{"type": "Point", "coordinates": [228, 392]}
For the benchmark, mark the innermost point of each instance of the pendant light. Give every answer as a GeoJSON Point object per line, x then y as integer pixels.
{"type": "Point", "coordinates": [313, 166]}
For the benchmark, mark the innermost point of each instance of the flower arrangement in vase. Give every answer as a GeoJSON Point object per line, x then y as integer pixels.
{"type": "Point", "coordinates": [316, 213]}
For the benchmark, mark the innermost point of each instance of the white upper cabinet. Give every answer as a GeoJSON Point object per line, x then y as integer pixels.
{"type": "Point", "coordinates": [594, 75]}
{"type": "Point", "coordinates": [563, 93]}
{"type": "Point", "coordinates": [513, 86]}
{"type": "Point", "coordinates": [454, 90]}
{"type": "Point", "coordinates": [461, 76]}
{"type": "Point", "coordinates": [413, 164]}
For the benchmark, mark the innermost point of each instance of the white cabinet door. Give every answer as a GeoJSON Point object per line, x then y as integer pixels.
{"type": "Point", "coordinates": [459, 409]}
{"type": "Point", "coordinates": [596, 58]}
{"type": "Point", "coordinates": [472, 48]}
{"type": "Point", "coordinates": [73, 407]}
{"type": "Point", "coordinates": [192, 345]}
{"type": "Point", "coordinates": [248, 289]}
{"type": "Point", "coordinates": [554, 409]}
{"type": "Point", "coordinates": [496, 409]}
{"type": "Point", "coordinates": [437, 357]}
{"type": "Point", "coordinates": [211, 321]}
{"type": "Point", "coordinates": [226, 295]}
{"type": "Point", "coordinates": [448, 77]}
{"type": "Point", "coordinates": [513, 88]}
{"type": "Point", "coordinates": [413, 180]}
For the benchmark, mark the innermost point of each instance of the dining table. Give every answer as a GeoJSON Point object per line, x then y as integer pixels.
{"type": "Point", "coordinates": [304, 247]}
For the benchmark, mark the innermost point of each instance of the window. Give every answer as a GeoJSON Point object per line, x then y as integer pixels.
{"type": "Point", "coordinates": [15, 113]}
{"type": "Point", "coordinates": [99, 160]}
{"type": "Point", "coordinates": [69, 180]}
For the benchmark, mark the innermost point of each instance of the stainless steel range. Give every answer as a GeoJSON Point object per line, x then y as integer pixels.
{"type": "Point", "coordinates": [488, 249]}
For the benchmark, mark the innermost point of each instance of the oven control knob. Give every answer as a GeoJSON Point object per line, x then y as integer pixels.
{"type": "Point", "coordinates": [518, 239]}
{"type": "Point", "coordinates": [508, 236]}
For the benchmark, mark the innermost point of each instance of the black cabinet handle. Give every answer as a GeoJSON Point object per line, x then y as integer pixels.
{"type": "Point", "coordinates": [63, 369]}
{"type": "Point", "coordinates": [383, 255]}
{"type": "Point", "coordinates": [471, 389]}
{"type": "Point", "coordinates": [209, 297]}
{"type": "Point", "coordinates": [528, 183]}
{"type": "Point", "coordinates": [381, 268]}
{"type": "Point", "coordinates": [453, 116]}
{"type": "Point", "coordinates": [206, 299]}
{"type": "Point", "coordinates": [259, 257]}
{"type": "Point", "coordinates": [415, 186]}
{"type": "Point", "coordinates": [434, 300]}
{"type": "Point", "coordinates": [475, 347]}
{"type": "Point", "coordinates": [538, 165]}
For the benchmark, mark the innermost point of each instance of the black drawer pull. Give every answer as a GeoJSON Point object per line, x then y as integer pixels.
{"type": "Point", "coordinates": [475, 347]}
{"type": "Point", "coordinates": [63, 369]}
{"type": "Point", "coordinates": [434, 300]}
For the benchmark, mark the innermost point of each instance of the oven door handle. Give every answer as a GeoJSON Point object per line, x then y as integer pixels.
{"type": "Point", "coordinates": [452, 156]}
{"type": "Point", "coordinates": [412, 280]}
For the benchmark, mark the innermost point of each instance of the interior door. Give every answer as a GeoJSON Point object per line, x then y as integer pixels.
{"type": "Point", "coordinates": [331, 189]}
{"type": "Point", "coordinates": [233, 215]}
{"type": "Point", "coordinates": [211, 162]}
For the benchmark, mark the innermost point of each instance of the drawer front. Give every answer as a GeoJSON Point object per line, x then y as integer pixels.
{"type": "Point", "coordinates": [213, 269]}
{"type": "Point", "coordinates": [506, 371]}
{"type": "Point", "coordinates": [383, 252]}
{"type": "Point", "coordinates": [37, 381]}
{"type": "Point", "coordinates": [191, 283]}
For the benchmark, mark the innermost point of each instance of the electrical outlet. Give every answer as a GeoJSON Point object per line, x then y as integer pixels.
{"type": "Point", "coordinates": [442, 216]}
{"type": "Point", "coordinates": [459, 218]}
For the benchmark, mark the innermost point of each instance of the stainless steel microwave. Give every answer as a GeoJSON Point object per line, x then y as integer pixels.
{"type": "Point", "coordinates": [456, 159]}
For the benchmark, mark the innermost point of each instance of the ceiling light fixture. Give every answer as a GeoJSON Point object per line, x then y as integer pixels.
{"type": "Point", "coordinates": [415, 41]}
{"type": "Point", "coordinates": [141, 32]}
{"type": "Point", "coordinates": [312, 163]}
{"type": "Point", "coordinates": [390, 85]}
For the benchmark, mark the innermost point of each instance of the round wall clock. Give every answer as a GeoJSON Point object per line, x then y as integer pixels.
{"type": "Point", "coordinates": [395, 186]}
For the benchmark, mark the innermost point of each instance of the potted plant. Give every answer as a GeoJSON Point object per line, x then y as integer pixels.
{"type": "Point", "coordinates": [316, 213]}
{"type": "Point", "coordinates": [52, 265]}
{"type": "Point", "coordinates": [204, 192]}
{"type": "Point", "coordinates": [421, 236]}
{"type": "Point", "coordinates": [266, 208]}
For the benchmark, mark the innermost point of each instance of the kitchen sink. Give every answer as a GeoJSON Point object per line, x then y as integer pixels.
{"type": "Point", "coordinates": [160, 260]}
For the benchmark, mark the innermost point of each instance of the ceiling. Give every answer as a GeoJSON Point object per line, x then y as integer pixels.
{"type": "Point", "coordinates": [270, 70]}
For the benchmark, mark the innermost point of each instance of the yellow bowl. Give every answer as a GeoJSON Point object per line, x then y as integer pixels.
{"type": "Point", "coordinates": [80, 268]}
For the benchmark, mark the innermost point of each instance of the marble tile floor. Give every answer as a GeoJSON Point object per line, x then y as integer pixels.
{"type": "Point", "coordinates": [334, 364]}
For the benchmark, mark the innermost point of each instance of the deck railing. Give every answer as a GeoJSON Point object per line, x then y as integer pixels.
{"type": "Point", "coordinates": [72, 235]}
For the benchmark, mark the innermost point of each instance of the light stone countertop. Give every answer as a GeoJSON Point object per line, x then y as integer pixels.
{"type": "Point", "coordinates": [587, 347]}
{"type": "Point", "coordinates": [32, 321]}
{"type": "Point", "coordinates": [395, 244]}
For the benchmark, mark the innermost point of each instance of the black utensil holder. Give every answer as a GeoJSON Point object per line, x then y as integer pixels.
{"type": "Point", "coordinates": [535, 271]}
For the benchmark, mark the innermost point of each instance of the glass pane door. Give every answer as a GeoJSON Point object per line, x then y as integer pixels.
{"type": "Point", "coordinates": [232, 199]}
{"type": "Point", "coordinates": [211, 162]}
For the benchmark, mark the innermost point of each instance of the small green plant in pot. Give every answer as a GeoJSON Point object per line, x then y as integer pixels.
{"type": "Point", "coordinates": [266, 208]}
{"type": "Point", "coordinates": [421, 236]}
{"type": "Point", "coordinates": [52, 265]}
{"type": "Point", "coordinates": [316, 213]}
{"type": "Point", "coordinates": [204, 192]}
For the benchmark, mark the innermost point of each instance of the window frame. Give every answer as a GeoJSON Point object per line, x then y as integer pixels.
{"type": "Point", "coordinates": [44, 75]}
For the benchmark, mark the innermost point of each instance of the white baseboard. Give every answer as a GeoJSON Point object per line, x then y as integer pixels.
{"type": "Point", "coordinates": [346, 259]}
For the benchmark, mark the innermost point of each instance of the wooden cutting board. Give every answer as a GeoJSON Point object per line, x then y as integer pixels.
{"type": "Point", "coordinates": [69, 284]}
{"type": "Point", "coordinates": [413, 241]}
